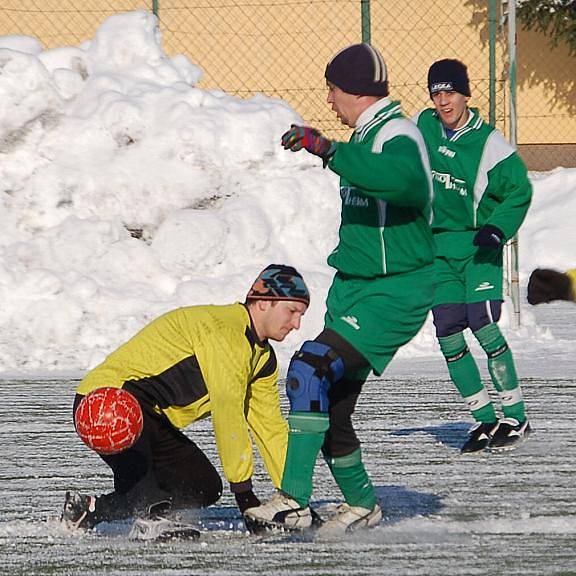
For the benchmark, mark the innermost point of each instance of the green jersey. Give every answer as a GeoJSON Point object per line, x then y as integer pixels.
{"type": "Point", "coordinates": [478, 178]}
{"type": "Point", "coordinates": [386, 193]}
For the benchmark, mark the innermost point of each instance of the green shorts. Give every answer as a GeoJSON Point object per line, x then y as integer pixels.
{"type": "Point", "coordinates": [477, 278]}
{"type": "Point", "coordinates": [379, 315]}
{"type": "Point", "coordinates": [464, 273]}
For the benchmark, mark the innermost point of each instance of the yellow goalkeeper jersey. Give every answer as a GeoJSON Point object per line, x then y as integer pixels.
{"type": "Point", "coordinates": [206, 360]}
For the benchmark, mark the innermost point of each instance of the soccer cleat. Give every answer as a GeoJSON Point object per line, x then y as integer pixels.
{"type": "Point", "coordinates": [280, 512]}
{"type": "Point", "coordinates": [79, 510]}
{"type": "Point", "coordinates": [349, 519]}
{"type": "Point", "coordinates": [479, 437]}
{"type": "Point", "coordinates": [510, 434]}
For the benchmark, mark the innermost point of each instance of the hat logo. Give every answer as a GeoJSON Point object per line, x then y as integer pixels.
{"type": "Point", "coordinates": [441, 87]}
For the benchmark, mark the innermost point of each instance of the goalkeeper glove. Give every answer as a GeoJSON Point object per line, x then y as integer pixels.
{"type": "Point", "coordinates": [310, 139]}
{"type": "Point", "coordinates": [548, 285]}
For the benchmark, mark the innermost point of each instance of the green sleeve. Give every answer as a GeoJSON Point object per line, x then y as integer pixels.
{"type": "Point", "coordinates": [510, 180]}
{"type": "Point", "coordinates": [396, 174]}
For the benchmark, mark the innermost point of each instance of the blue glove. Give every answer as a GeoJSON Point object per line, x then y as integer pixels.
{"type": "Point", "coordinates": [310, 139]}
{"type": "Point", "coordinates": [488, 237]}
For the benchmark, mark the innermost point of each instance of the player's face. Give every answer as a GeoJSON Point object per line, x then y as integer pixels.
{"type": "Point", "coordinates": [282, 317]}
{"type": "Point", "coordinates": [452, 107]}
{"type": "Point", "coordinates": [345, 105]}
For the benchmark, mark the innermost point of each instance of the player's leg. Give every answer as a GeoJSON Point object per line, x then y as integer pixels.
{"type": "Point", "coordinates": [162, 467]}
{"type": "Point", "coordinates": [483, 317]}
{"type": "Point", "coordinates": [342, 452]}
{"type": "Point", "coordinates": [451, 320]}
{"type": "Point", "coordinates": [182, 470]}
{"type": "Point", "coordinates": [132, 471]}
{"type": "Point", "coordinates": [312, 371]}
{"type": "Point", "coordinates": [388, 314]}
{"type": "Point", "coordinates": [484, 284]}
{"type": "Point", "coordinates": [308, 427]}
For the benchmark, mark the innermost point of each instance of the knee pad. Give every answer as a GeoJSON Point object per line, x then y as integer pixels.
{"type": "Point", "coordinates": [312, 371]}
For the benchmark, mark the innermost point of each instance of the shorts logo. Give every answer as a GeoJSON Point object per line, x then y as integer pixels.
{"type": "Point", "coordinates": [352, 320]}
{"type": "Point", "coordinates": [446, 151]}
{"type": "Point", "coordinates": [483, 286]}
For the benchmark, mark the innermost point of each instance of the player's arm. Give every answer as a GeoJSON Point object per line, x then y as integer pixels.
{"type": "Point", "coordinates": [395, 174]}
{"type": "Point", "coordinates": [269, 428]}
{"type": "Point", "coordinates": [509, 181]}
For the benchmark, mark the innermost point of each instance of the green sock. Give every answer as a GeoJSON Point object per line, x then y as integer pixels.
{"type": "Point", "coordinates": [307, 430]}
{"type": "Point", "coordinates": [464, 373]}
{"type": "Point", "coordinates": [502, 371]}
{"type": "Point", "coordinates": [353, 480]}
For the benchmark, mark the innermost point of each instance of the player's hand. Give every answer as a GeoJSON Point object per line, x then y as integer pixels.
{"type": "Point", "coordinates": [488, 237]}
{"type": "Point", "coordinates": [548, 285]}
{"type": "Point", "coordinates": [310, 139]}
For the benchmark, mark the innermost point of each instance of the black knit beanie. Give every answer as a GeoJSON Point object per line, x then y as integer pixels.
{"type": "Point", "coordinates": [448, 76]}
{"type": "Point", "coordinates": [358, 69]}
{"type": "Point", "coordinates": [279, 282]}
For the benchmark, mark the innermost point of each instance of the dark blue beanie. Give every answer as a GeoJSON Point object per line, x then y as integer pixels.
{"type": "Point", "coordinates": [448, 76]}
{"type": "Point", "coordinates": [358, 69]}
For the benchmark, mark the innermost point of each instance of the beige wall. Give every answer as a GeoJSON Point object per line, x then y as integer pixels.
{"type": "Point", "coordinates": [281, 48]}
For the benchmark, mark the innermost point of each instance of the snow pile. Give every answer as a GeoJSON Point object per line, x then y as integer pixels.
{"type": "Point", "coordinates": [126, 191]}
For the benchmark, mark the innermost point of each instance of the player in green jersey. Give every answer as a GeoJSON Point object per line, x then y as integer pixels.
{"type": "Point", "coordinates": [380, 297]}
{"type": "Point", "coordinates": [481, 196]}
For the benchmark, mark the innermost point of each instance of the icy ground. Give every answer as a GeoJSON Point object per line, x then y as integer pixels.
{"type": "Point", "coordinates": [446, 514]}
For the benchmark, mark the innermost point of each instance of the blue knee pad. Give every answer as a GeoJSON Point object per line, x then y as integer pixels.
{"type": "Point", "coordinates": [311, 372]}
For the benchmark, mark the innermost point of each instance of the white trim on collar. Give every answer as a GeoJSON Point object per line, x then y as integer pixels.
{"type": "Point", "coordinates": [371, 111]}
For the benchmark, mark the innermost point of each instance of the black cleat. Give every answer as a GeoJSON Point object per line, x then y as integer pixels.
{"type": "Point", "coordinates": [79, 511]}
{"type": "Point", "coordinates": [510, 434]}
{"type": "Point", "coordinates": [480, 437]}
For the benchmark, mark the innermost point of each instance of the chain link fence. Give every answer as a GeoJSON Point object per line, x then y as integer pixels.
{"type": "Point", "coordinates": [281, 47]}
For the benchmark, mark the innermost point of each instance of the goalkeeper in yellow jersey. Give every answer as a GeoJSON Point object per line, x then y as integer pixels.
{"type": "Point", "coordinates": [189, 364]}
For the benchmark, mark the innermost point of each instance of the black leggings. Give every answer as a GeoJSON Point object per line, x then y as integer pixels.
{"type": "Point", "coordinates": [163, 465]}
{"type": "Point", "coordinates": [341, 439]}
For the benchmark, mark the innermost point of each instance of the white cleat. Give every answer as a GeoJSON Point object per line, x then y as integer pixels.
{"type": "Point", "coordinates": [349, 519]}
{"type": "Point", "coordinates": [280, 512]}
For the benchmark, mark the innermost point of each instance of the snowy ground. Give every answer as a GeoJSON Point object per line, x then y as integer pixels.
{"type": "Point", "coordinates": [445, 513]}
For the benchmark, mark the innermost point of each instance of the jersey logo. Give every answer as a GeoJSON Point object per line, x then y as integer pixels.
{"type": "Point", "coordinates": [450, 183]}
{"type": "Point", "coordinates": [446, 151]}
{"type": "Point", "coordinates": [483, 286]}
{"type": "Point", "coordinates": [352, 320]}
{"type": "Point", "coordinates": [351, 198]}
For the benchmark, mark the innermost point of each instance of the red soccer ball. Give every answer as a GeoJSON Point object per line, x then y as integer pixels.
{"type": "Point", "coordinates": [109, 420]}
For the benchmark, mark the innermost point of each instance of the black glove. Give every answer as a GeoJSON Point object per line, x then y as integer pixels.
{"type": "Point", "coordinates": [547, 285]}
{"type": "Point", "coordinates": [246, 500]}
{"type": "Point", "coordinates": [488, 237]}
